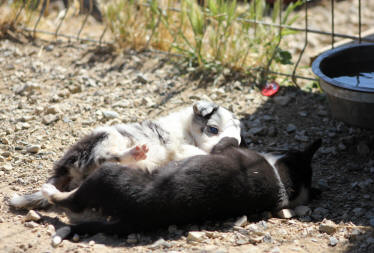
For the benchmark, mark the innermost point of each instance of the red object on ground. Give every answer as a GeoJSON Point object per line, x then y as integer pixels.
{"type": "Point", "coordinates": [270, 89]}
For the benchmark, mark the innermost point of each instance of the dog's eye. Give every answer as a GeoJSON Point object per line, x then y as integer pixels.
{"type": "Point", "coordinates": [212, 130]}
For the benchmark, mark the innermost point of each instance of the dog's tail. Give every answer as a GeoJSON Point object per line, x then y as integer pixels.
{"type": "Point", "coordinates": [29, 201]}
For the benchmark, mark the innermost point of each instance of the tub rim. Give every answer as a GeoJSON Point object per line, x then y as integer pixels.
{"type": "Point", "coordinates": [329, 53]}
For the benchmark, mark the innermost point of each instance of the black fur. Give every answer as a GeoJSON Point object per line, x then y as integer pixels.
{"type": "Point", "coordinates": [79, 155]}
{"type": "Point", "coordinates": [227, 183]}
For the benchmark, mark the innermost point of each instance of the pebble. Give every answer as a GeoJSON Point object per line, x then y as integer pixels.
{"type": "Point", "coordinates": [261, 131]}
{"type": "Point", "coordinates": [291, 128]}
{"type": "Point", "coordinates": [32, 216]}
{"type": "Point", "coordinates": [147, 102]}
{"type": "Point", "coordinates": [358, 211]}
{"type": "Point", "coordinates": [132, 238]}
{"type": "Point", "coordinates": [363, 149]}
{"type": "Point", "coordinates": [285, 213]}
{"type": "Point", "coordinates": [141, 78]}
{"type": "Point", "coordinates": [301, 211]}
{"type": "Point", "coordinates": [50, 118]}
{"type": "Point", "coordinates": [7, 166]}
{"type": "Point", "coordinates": [333, 241]}
{"type": "Point", "coordinates": [195, 236]}
{"type": "Point", "coordinates": [301, 138]}
{"type": "Point", "coordinates": [52, 109]}
{"type": "Point", "coordinates": [110, 114]}
{"type": "Point", "coordinates": [76, 238]}
{"type": "Point", "coordinates": [323, 185]}
{"type": "Point", "coordinates": [328, 227]}
{"type": "Point", "coordinates": [160, 243]}
{"type": "Point", "coordinates": [241, 222]}
{"type": "Point", "coordinates": [34, 149]}
{"type": "Point", "coordinates": [371, 222]}
{"type": "Point", "coordinates": [282, 100]}
{"type": "Point", "coordinates": [31, 224]}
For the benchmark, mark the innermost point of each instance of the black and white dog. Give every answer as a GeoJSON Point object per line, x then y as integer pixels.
{"type": "Point", "coordinates": [229, 182]}
{"type": "Point", "coordinates": [191, 131]}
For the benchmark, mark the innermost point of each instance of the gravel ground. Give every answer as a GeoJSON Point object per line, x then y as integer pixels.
{"type": "Point", "coordinates": [53, 94]}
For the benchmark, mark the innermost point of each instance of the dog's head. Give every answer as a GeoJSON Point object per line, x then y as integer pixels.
{"type": "Point", "coordinates": [211, 123]}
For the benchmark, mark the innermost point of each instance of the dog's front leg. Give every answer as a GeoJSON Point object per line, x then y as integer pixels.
{"type": "Point", "coordinates": [225, 143]}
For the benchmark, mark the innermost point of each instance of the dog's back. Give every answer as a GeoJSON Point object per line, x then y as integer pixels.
{"type": "Point", "coordinates": [227, 183]}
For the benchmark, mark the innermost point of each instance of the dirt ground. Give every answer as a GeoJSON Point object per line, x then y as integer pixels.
{"type": "Point", "coordinates": [53, 93]}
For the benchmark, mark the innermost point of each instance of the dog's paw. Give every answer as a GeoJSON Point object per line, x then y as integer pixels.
{"type": "Point", "coordinates": [139, 152]}
{"type": "Point", "coordinates": [48, 190]}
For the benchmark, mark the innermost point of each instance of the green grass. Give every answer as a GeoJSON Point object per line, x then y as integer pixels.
{"type": "Point", "coordinates": [211, 35]}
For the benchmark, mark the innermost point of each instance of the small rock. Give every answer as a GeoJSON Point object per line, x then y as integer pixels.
{"type": "Point", "coordinates": [142, 78]}
{"type": "Point", "coordinates": [363, 149]}
{"type": "Point", "coordinates": [160, 243]}
{"type": "Point", "coordinates": [132, 238]}
{"type": "Point", "coordinates": [49, 48]}
{"type": "Point", "coordinates": [333, 241]}
{"type": "Point", "coordinates": [172, 229]}
{"type": "Point", "coordinates": [303, 114]}
{"type": "Point", "coordinates": [322, 113]}
{"type": "Point", "coordinates": [7, 166]}
{"type": "Point", "coordinates": [76, 238]}
{"type": "Point", "coordinates": [110, 114]}
{"type": "Point", "coordinates": [358, 211]}
{"type": "Point", "coordinates": [285, 213]}
{"type": "Point", "coordinates": [267, 239]}
{"type": "Point", "coordinates": [32, 216]}
{"type": "Point", "coordinates": [51, 229]}
{"type": "Point", "coordinates": [147, 102]}
{"type": "Point", "coordinates": [301, 138]}
{"type": "Point", "coordinates": [241, 222]}
{"type": "Point", "coordinates": [291, 128]}
{"type": "Point", "coordinates": [52, 109]}
{"type": "Point", "coordinates": [195, 236]}
{"type": "Point", "coordinates": [29, 87]}
{"type": "Point", "coordinates": [301, 211]}
{"type": "Point", "coordinates": [323, 185]}
{"type": "Point", "coordinates": [31, 224]}
{"type": "Point", "coordinates": [261, 131]}
{"type": "Point", "coordinates": [328, 227]}
{"type": "Point", "coordinates": [282, 100]}
{"type": "Point", "coordinates": [4, 141]}
{"type": "Point", "coordinates": [254, 239]}
{"type": "Point", "coordinates": [275, 250]}
{"type": "Point", "coordinates": [91, 243]}
{"type": "Point", "coordinates": [355, 233]}
{"type": "Point", "coordinates": [371, 222]}
{"type": "Point", "coordinates": [33, 149]}
{"type": "Point", "coordinates": [50, 118]}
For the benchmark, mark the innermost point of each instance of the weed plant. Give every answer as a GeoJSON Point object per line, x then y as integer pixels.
{"type": "Point", "coordinates": [210, 34]}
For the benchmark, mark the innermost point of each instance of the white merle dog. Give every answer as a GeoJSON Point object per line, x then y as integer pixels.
{"type": "Point", "coordinates": [229, 182]}
{"type": "Point", "coordinates": [152, 143]}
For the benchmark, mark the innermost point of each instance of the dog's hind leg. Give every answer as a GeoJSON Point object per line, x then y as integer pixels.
{"type": "Point", "coordinates": [64, 199]}
{"type": "Point", "coordinates": [91, 228]}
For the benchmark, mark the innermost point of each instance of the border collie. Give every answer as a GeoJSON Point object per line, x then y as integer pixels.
{"type": "Point", "coordinates": [191, 131]}
{"type": "Point", "coordinates": [229, 182]}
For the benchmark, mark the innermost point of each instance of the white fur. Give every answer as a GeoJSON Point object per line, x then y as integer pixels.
{"type": "Point", "coordinates": [48, 190]}
{"type": "Point", "coordinates": [185, 138]}
{"type": "Point", "coordinates": [272, 160]}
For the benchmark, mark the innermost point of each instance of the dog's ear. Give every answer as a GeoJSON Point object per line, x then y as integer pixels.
{"type": "Point", "coordinates": [311, 149]}
{"type": "Point", "coordinates": [204, 108]}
